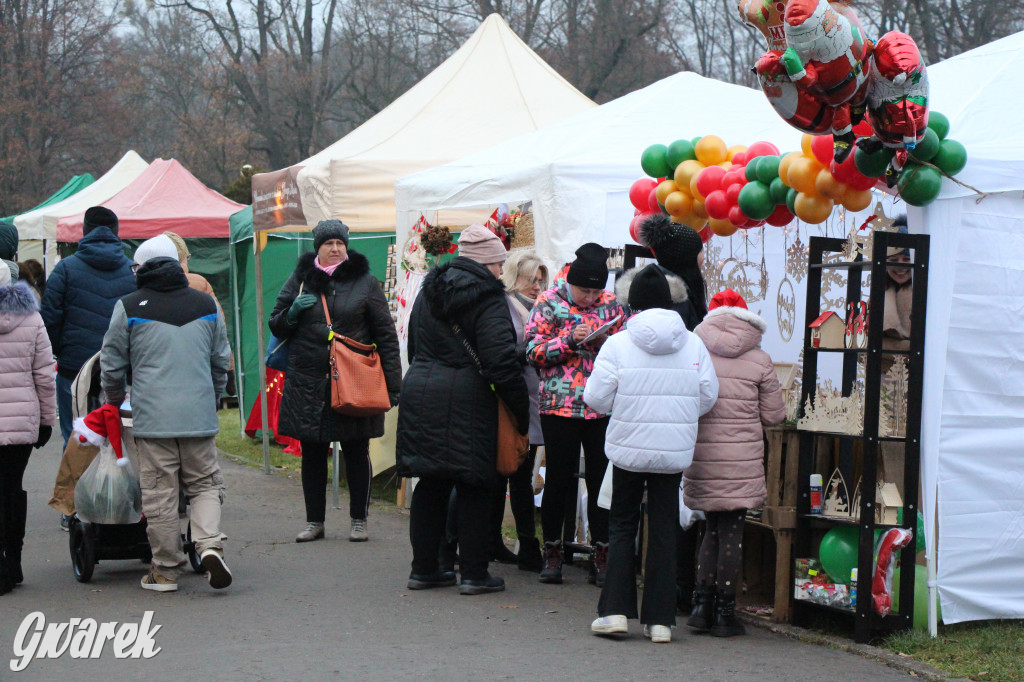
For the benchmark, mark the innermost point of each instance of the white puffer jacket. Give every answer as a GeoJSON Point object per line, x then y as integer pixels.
{"type": "Point", "coordinates": [656, 380]}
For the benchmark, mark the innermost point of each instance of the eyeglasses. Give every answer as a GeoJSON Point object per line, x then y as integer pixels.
{"type": "Point", "coordinates": [135, 268]}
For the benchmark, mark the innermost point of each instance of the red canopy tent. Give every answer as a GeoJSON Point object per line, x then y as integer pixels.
{"type": "Point", "coordinates": [164, 198]}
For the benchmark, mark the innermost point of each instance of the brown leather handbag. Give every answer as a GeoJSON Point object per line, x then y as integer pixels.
{"type": "Point", "coordinates": [512, 445]}
{"type": "Point", "coordinates": [358, 388]}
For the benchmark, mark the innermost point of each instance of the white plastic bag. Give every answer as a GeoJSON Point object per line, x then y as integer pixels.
{"type": "Point", "coordinates": [108, 493]}
{"type": "Point", "coordinates": [687, 516]}
{"type": "Point", "coordinates": [604, 495]}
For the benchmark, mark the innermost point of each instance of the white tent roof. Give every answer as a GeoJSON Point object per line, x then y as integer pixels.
{"type": "Point", "coordinates": [578, 171]}
{"type": "Point", "coordinates": [494, 87]}
{"type": "Point", "coordinates": [978, 91]}
{"type": "Point", "coordinates": [42, 223]}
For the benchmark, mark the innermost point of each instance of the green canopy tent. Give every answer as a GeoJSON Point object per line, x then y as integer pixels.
{"type": "Point", "coordinates": [34, 248]}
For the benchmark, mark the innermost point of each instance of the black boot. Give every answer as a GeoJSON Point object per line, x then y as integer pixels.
{"type": "Point", "coordinates": [447, 555]}
{"type": "Point", "coordinates": [502, 554]}
{"type": "Point", "coordinates": [529, 558]}
{"type": "Point", "coordinates": [552, 571]}
{"type": "Point", "coordinates": [726, 623]}
{"type": "Point", "coordinates": [16, 535]}
{"type": "Point", "coordinates": [599, 564]}
{"type": "Point", "coordinates": [703, 608]}
{"type": "Point", "coordinates": [6, 584]}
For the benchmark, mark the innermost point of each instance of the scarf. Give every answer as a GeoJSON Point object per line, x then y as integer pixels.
{"type": "Point", "coordinates": [330, 268]}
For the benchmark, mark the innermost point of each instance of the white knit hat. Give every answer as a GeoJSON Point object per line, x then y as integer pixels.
{"type": "Point", "coordinates": [159, 246]}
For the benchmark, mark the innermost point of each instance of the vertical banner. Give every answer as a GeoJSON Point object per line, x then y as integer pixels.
{"type": "Point", "coordinates": [275, 199]}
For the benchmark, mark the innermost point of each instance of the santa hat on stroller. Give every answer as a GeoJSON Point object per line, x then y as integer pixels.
{"type": "Point", "coordinates": [102, 424]}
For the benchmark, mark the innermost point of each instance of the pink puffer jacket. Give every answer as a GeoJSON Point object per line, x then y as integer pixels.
{"type": "Point", "coordinates": [27, 371]}
{"type": "Point", "coordinates": [728, 469]}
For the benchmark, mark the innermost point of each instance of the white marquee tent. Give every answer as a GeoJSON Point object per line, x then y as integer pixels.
{"type": "Point", "coordinates": [492, 88]}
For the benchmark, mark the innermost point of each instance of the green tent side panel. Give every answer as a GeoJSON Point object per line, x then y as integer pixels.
{"type": "Point", "coordinates": [72, 186]}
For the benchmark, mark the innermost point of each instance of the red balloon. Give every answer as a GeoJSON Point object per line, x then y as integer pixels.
{"type": "Point", "coordinates": [739, 158]}
{"type": "Point", "coordinates": [861, 182]}
{"type": "Point", "coordinates": [652, 201]}
{"type": "Point", "coordinates": [737, 167]}
{"type": "Point", "coordinates": [863, 129]}
{"type": "Point", "coordinates": [705, 234]}
{"type": "Point", "coordinates": [640, 192]}
{"type": "Point", "coordinates": [709, 180]}
{"type": "Point", "coordinates": [634, 228]}
{"type": "Point", "coordinates": [716, 205]}
{"type": "Point", "coordinates": [760, 149]}
{"type": "Point", "coordinates": [843, 172]}
{"type": "Point", "coordinates": [780, 217]}
{"type": "Point", "coordinates": [732, 177]}
{"type": "Point", "coordinates": [732, 193]}
{"type": "Point", "coordinates": [821, 147]}
{"type": "Point", "coordinates": [736, 216]}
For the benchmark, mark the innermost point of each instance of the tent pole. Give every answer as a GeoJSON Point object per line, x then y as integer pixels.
{"type": "Point", "coordinates": [261, 343]}
{"type": "Point", "coordinates": [336, 482]}
{"type": "Point", "coordinates": [239, 365]}
{"type": "Point", "coordinates": [933, 589]}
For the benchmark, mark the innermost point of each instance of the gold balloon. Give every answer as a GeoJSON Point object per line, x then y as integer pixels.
{"type": "Point", "coordinates": [686, 172]}
{"type": "Point", "coordinates": [857, 200]}
{"type": "Point", "coordinates": [803, 174]}
{"type": "Point", "coordinates": [694, 221]}
{"type": "Point", "coordinates": [711, 150]}
{"type": "Point", "coordinates": [784, 165]}
{"type": "Point", "coordinates": [812, 209]}
{"type": "Point", "coordinates": [828, 187]}
{"type": "Point", "coordinates": [664, 189]}
{"type": "Point", "coordinates": [805, 144]}
{"type": "Point", "coordinates": [678, 204]}
{"type": "Point", "coordinates": [734, 150]}
{"type": "Point", "coordinates": [698, 209]}
{"type": "Point", "coordinates": [723, 228]}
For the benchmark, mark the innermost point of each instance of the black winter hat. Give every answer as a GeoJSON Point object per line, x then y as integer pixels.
{"type": "Point", "coordinates": [329, 229]}
{"type": "Point", "coordinates": [590, 269]}
{"type": "Point", "coordinates": [649, 289]}
{"type": "Point", "coordinates": [99, 216]}
{"type": "Point", "coordinates": [675, 245]}
{"type": "Point", "coordinates": [8, 241]}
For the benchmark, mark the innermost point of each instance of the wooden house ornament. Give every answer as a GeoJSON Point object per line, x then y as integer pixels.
{"type": "Point", "coordinates": [857, 324]}
{"type": "Point", "coordinates": [887, 504]}
{"type": "Point", "coordinates": [837, 499]}
{"type": "Point", "coordinates": [828, 331]}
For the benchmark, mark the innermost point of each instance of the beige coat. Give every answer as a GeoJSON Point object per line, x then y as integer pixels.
{"type": "Point", "coordinates": [728, 469]}
{"type": "Point", "coordinates": [27, 370]}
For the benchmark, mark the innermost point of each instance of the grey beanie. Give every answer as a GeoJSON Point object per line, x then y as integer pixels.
{"type": "Point", "coordinates": [329, 229]}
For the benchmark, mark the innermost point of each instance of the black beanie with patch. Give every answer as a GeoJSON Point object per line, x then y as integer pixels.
{"type": "Point", "coordinates": [590, 269]}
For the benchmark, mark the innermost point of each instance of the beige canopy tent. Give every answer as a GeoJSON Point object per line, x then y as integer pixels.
{"type": "Point", "coordinates": [492, 89]}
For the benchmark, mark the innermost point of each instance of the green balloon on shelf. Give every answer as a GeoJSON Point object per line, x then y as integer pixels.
{"type": "Point", "coordinates": [750, 170]}
{"type": "Point", "coordinates": [872, 164]}
{"type": "Point", "coordinates": [951, 157]}
{"type": "Point", "coordinates": [838, 554]}
{"type": "Point", "coordinates": [768, 169]}
{"type": "Point", "coordinates": [939, 123]}
{"type": "Point", "coordinates": [778, 190]}
{"type": "Point", "coordinates": [756, 201]}
{"type": "Point", "coordinates": [653, 161]}
{"type": "Point", "coordinates": [919, 185]}
{"type": "Point", "coordinates": [926, 147]}
{"type": "Point", "coordinates": [679, 151]}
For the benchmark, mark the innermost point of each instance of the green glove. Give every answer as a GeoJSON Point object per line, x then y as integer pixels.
{"type": "Point", "coordinates": [792, 62]}
{"type": "Point", "coordinates": [303, 302]}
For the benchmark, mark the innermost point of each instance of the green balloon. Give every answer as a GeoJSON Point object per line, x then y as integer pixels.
{"type": "Point", "coordinates": [926, 147]}
{"type": "Point", "coordinates": [750, 171]}
{"type": "Point", "coordinates": [951, 157]}
{"type": "Point", "coordinates": [778, 189]}
{"type": "Point", "coordinates": [768, 169]}
{"type": "Point", "coordinates": [919, 185]}
{"type": "Point", "coordinates": [653, 161]}
{"type": "Point", "coordinates": [838, 554]}
{"type": "Point", "coordinates": [920, 596]}
{"type": "Point", "coordinates": [791, 200]}
{"type": "Point", "coordinates": [872, 165]}
{"type": "Point", "coordinates": [695, 140]}
{"type": "Point", "coordinates": [679, 151]}
{"type": "Point", "coordinates": [756, 201]}
{"type": "Point", "coordinates": [939, 123]}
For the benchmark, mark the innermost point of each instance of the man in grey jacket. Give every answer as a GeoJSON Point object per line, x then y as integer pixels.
{"type": "Point", "coordinates": [173, 340]}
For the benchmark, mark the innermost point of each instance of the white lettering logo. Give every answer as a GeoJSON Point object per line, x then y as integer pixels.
{"type": "Point", "coordinates": [82, 638]}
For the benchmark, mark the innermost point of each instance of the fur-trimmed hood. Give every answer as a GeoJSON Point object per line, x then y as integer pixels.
{"type": "Point", "coordinates": [315, 280]}
{"type": "Point", "coordinates": [459, 284]}
{"type": "Point", "coordinates": [16, 302]}
{"type": "Point", "coordinates": [676, 286]}
{"type": "Point", "coordinates": [731, 331]}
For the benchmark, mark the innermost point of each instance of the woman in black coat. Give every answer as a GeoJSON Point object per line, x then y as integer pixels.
{"type": "Point", "coordinates": [359, 311]}
{"type": "Point", "coordinates": [448, 421]}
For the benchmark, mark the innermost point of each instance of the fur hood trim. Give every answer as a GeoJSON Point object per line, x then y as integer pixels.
{"type": "Point", "coordinates": [458, 285]}
{"type": "Point", "coordinates": [316, 280]}
{"type": "Point", "coordinates": [676, 286]}
{"type": "Point", "coordinates": [753, 318]}
{"type": "Point", "coordinates": [18, 299]}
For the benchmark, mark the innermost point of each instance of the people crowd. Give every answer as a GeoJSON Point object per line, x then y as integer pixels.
{"type": "Point", "coordinates": [647, 387]}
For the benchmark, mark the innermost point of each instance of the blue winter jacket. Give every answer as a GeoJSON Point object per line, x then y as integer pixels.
{"type": "Point", "coordinates": [80, 297]}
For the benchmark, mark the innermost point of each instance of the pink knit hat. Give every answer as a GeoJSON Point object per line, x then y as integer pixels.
{"type": "Point", "coordinates": [480, 244]}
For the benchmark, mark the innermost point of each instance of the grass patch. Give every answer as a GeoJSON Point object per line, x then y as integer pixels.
{"type": "Point", "coordinates": [992, 651]}
{"type": "Point", "coordinates": [249, 451]}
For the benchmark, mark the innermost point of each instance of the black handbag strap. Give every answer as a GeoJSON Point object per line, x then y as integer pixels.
{"type": "Point", "coordinates": [461, 336]}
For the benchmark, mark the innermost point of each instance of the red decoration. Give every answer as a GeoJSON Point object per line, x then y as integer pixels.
{"type": "Point", "coordinates": [275, 385]}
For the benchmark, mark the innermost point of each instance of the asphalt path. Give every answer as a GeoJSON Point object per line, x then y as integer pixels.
{"type": "Point", "coordinates": [339, 610]}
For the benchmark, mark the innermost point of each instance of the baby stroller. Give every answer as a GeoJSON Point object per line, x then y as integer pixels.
{"type": "Point", "coordinates": [90, 543]}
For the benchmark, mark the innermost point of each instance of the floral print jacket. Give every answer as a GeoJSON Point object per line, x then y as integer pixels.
{"type": "Point", "coordinates": [563, 367]}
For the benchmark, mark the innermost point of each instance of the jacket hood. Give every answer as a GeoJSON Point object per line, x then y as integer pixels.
{"type": "Point", "coordinates": [161, 274]}
{"type": "Point", "coordinates": [102, 249]}
{"type": "Point", "coordinates": [459, 284]}
{"type": "Point", "coordinates": [731, 332]}
{"type": "Point", "coordinates": [16, 301]}
{"type": "Point", "coordinates": [657, 331]}
{"type": "Point", "coordinates": [676, 286]}
{"type": "Point", "coordinates": [8, 240]}
{"type": "Point", "coordinates": [316, 280]}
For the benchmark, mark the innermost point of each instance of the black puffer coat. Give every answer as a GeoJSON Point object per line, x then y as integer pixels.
{"type": "Point", "coordinates": [358, 311]}
{"type": "Point", "coordinates": [448, 421]}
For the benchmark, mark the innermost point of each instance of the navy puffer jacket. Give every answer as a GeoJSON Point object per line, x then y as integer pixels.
{"type": "Point", "coordinates": [80, 297]}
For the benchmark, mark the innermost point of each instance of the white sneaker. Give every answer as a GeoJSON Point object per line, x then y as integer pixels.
{"type": "Point", "coordinates": [216, 570]}
{"type": "Point", "coordinates": [609, 625]}
{"type": "Point", "coordinates": [658, 633]}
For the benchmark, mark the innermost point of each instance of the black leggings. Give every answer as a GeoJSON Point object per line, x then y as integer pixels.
{"type": "Point", "coordinates": [563, 437]}
{"type": "Point", "coordinates": [314, 477]}
{"type": "Point", "coordinates": [721, 553]}
{"type": "Point", "coordinates": [520, 497]}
